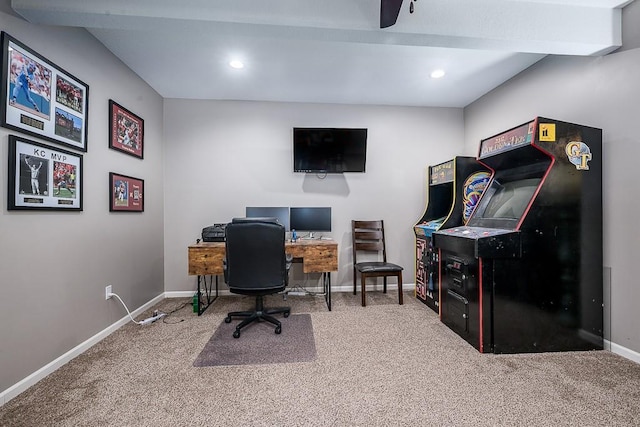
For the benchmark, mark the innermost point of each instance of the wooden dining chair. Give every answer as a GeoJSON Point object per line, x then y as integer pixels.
{"type": "Point", "coordinates": [368, 237]}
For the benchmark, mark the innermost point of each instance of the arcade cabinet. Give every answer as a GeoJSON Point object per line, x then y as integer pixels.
{"type": "Point", "coordinates": [525, 274]}
{"type": "Point", "coordinates": [454, 187]}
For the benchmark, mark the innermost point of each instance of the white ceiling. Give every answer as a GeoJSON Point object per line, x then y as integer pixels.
{"type": "Point", "coordinates": [333, 51]}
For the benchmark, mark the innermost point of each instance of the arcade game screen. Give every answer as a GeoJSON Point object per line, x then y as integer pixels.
{"type": "Point", "coordinates": [511, 198]}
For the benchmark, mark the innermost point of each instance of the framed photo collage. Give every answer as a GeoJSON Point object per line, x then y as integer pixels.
{"type": "Point", "coordinates": [40, 99]}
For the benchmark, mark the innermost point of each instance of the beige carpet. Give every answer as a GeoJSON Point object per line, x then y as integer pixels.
{"type": "Point", "coordinates": [381, 365]}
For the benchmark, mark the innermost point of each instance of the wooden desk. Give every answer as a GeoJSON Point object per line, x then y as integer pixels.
{"type": "Point", "coordinates": [317, 256]}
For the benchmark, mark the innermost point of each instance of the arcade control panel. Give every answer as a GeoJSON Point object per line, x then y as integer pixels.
{"type": "Point", "coordinates": [479, 241]}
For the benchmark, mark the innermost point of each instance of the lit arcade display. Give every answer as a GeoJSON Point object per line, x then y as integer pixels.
{"type": "Point", "coordinates": [454, 187]}
{"type": "Point", "coordinates": [525, 273]}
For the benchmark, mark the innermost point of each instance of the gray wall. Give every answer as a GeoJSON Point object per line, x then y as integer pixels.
{"type": "Point", "coordinates": [222, 156]}
{"type": "Point", "coordinates": [601, 92]}
{"type": "Point", "coordinates": [54, 266]}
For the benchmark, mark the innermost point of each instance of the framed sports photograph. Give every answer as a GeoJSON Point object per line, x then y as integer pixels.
{"type": "Point", "coordinates": [41, 99]}
{"type": "Point", "coordinates": [126, 193]}
{"type": "Point", "coordinates": [126, 130]}
{"type": "Point", "coordinates": [43, 177]}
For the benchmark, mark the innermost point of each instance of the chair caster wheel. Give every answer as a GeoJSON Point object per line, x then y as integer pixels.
{"type": "Point", "coordinates": [236, 334]}
{"type": "Point", "coordinates": [227, 319]}
{"type": "Point", "coordinates": [286, 314]}
{"type": "Point", "coordinates": [278, 329]}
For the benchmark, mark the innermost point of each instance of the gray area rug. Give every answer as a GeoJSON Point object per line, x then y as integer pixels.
{"type": "Point", "coordinates": [259, 344]}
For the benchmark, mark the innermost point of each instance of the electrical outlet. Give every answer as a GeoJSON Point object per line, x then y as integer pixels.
{"type": "Point", "coordinates": [107, 292]}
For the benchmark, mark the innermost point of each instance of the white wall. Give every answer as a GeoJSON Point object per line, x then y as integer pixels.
{"type": "Point", "coordinates": [601, 92]}
{"type": "Point", "coordinates": [54, 266]}
{"type": "Point", "coordinates": [222, 156]}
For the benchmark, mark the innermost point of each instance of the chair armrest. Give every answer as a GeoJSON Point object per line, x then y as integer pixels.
{"type": "Point", "coordinates": [224, 271]}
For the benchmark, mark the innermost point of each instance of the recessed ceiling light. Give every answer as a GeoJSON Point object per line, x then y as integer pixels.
{"type": "Point", "coordinates": [436, 74]}
{"type": "Point", "coordinates": [236, 64]}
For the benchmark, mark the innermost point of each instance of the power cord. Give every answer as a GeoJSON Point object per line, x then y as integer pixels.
{"type": "Point", "coordinates": [180, 307]}
{"type": "Point", "coordinates": [156, 315]}
{"type": "Point", "coordinates": [300, 290]}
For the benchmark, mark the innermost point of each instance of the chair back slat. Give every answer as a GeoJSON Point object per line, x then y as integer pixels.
{"type": "Point", "coordinates": [368, 236]}
{"type": "Point", "coordinates": [369, 225]}
{"type": "Point", "coordinates": [375, 235]}
{"type": "Point", "coordinates": [369, 246]}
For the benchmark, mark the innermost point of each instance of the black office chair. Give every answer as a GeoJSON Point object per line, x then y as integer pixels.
{"type": "Point", "coordinates": [256, 264]}
{"type": "Point", "coordinates": [368, 236]}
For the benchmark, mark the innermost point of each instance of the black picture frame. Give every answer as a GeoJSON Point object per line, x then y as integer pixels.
{"type": "Point", "coordinates": [40, 99]}
{"type": "Point", "coordinates": [126, 193]}
{"type": "Point", "coordinates": [126, 130]}
{"type": "Point", "coordinates": [42, 177]}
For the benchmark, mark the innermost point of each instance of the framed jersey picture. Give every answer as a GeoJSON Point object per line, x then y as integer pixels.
{"type": "Point", "coordinates": [126, 193]}
{"type": "Point", "coordinates": [126, 130]}
{"type": "Point", "coordinates": [41, 99]}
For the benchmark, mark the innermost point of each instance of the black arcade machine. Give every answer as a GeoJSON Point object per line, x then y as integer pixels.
{"type": "Point", "coordinates": [454, 187]}
{"type": "Point", "coordinates": [525, 274]}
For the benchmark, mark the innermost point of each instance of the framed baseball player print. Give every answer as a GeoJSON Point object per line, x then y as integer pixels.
{"type": "Point", "coordinates": [41, 99]}
{"type": "Point", "coordinates": [126, 193]}
{"type": "Point", "coordinates": [126, 130]}
{"type": "Point", "coordinates": [43, 177]}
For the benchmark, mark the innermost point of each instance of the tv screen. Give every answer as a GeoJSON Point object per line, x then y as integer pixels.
{"type": "Point", "coordinates": [281, 213]}
{"type": "Point", "coordinates": [329, 150]}
{"type": "Point", "coordinates": [310, 219]}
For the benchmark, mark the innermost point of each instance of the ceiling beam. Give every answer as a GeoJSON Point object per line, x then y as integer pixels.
{"type": "Point", "coordinates": [565, 27]}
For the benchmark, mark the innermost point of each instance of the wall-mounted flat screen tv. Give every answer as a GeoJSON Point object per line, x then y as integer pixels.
{"type": "Point", "coordinates": [329, 150]}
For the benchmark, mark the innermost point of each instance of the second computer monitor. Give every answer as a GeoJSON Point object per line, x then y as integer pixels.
{"type": "Point", "coordinates": [281, 213]}
{"type": "Point", "coordinates": [310, 219]}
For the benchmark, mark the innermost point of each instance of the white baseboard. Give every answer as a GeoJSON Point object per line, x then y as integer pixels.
{"type": "Point", "coordinates": [27, 382]}
{"type": "Point", "coordinates": [377, 287]}
{"type": "Point", "coordinates": [612, 347]}
{"type": "Point", "coordinates": [189, 294]}
{"type": "Point", "coordinates": [179, 294]}
{"type": "Point", "coordinates": [634, 356]}
{"type": "Point", "coordinates": [343, 288]}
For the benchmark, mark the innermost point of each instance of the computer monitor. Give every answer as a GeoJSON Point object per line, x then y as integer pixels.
{"type": "Point", "coordinates": [310, 219]}
{"type": "Point", "coordinates": [279, 212]}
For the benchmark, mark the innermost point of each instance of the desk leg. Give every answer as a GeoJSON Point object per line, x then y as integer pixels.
{"type": "Point", "coordinates": [326, 282]}
{"type": "Point", "coordinates": [208, 288]}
